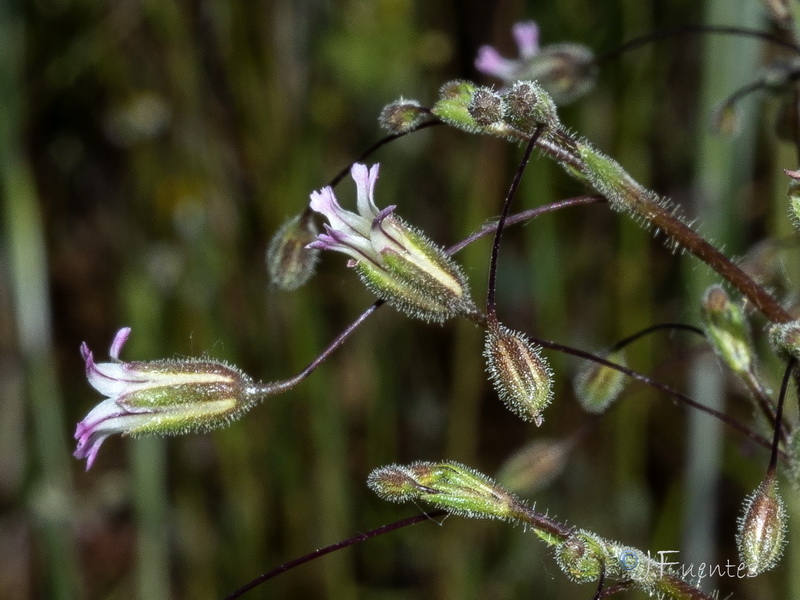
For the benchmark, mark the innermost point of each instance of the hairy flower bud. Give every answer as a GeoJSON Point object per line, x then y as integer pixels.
{"type": "Point", "coordinates": [761, 534]}
{"type": "Point", "coordinates": [485, 107]}
{"type": "Point", "coordinates": [447, 485]}
{"type": "Point", "coordinates": [402, 115]}
{"type": "Point", "coordinates": [598, 386]}
{"type": "Point", "coordinates": [535, 465]}
{"type": "Point", "coordinates": [453, 103]}
{"type": "Point", "coordinates": [518, 371]}
{"type": "Point", "coordinates": [725, 326]}
{"type": "Point", "coordinates": [785, 338]}
{"type": "Point", "coordinates": [794, 197]}
{"type": "Point", "coordinates": [396, 262]}
{"type": "Point", "coordinates": [290, 262]}
{"type": "Point", "coordinates": [164, 397]}
{"type": "Point", "coordinates": [582, 556]}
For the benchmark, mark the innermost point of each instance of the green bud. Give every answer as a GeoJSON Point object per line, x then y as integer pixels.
{"type": "Point", "coordinates": [761, 534]}
{"type": "Point", "coordinates": [485, 107]}
{"type": "Point", "coordinates": [582, 556]}
{"type": "Point", "coordinates": [726, 328]}
{"type": "Point", "coordinates": [598, 386]}
{"type": "Point", "coordinates": [290, 262]}
{"type": "Point", "coordinates": [534, 466]}
{"type": "Point", "coordinates": [528, 106]}
{"type": "Point", "coordinates": [520, 374]}
{"type": "Point", "coordinates": [452, 107]}
{"type": "Point", "coordinates": [447, 485]}
{"type": "Point", "coordinates": [794, 197]}
{"type": "Point", "coordinates": [785, 338]}
{"type": "Point", "coordinates": [726, 120]}
{"type": "Point", "coordinates": [402, 115]}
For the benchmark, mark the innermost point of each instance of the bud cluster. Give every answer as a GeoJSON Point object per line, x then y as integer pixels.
{"type": "Point", "coordinates": [513, 113]}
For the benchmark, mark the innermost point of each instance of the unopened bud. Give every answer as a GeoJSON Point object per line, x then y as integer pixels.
{"type": "Point", "coordinates": [794, 197]}
{"type": "Point", "coordinates": [528, 106]}
{"type": "Point", "coordinates": [402, 115]}
{"type": "Point", "coordinates": [761, 534]}
{"type": "Point", "coordinates": [726, 120]}
{"type": "Point", "coordinates": [534, 466]}
{"type": "Point", "coordinates": [453, 103]}
{"type": "Point", "coordinates": [582, 556]}
{"type": "Point", "coordinates": [485, 107]}
{"type": "Point", "coordinates": [518, 371]}
{"type": "Point", "coordinates": [289, 261]}
{"type": "Point", "coordinates": [447, 485]}
{"type": "Point", "coordinates": [598, 386]}
{"type": "Point", "coordinates": [725, 326]}
{"type": "Point", "coordinates": [785, 338]}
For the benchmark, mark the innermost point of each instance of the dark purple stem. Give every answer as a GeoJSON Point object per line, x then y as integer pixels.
{"type": "Point", "coordinates": [356, 539]}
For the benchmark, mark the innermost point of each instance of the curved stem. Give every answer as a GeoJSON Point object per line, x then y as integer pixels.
{"type": "Point", "coordinates": [490, 306]}
{"type": "Point", "coordinates": [361, 537]}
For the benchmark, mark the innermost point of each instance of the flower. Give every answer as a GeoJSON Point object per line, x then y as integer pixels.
{"type": "Point", "coordinates": [397, 262]}
{"type": "Point", "coordinates": [566, 71]}
{"type": "Point", "coordinates": [490, 62]}
{"type": "Point", "coordinates": [166, 397]}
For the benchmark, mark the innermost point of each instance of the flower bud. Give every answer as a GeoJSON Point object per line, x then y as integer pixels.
{"type": "Point", "coordinates": [528, 106]}
{"type": "Point", "coordinates": [785, 338]}
{"type": "Point", "coordinates": [582, 556]}
{"type": "Point", "coordinates": [454, 98]}
{"type": "Point", "coordinates": [485, 107]}
{"type": "Point", "coordinates": [761, 534]}
{"type": "Point", "coordinates": [520, 374]}
{"type": "Point", "coordinates": [534, 466]}
{"type": "Point", "coordinates": [290, 262]}
{"type": "Point", "coordinates": [794, 197]}
{"type": "Point", "coordinates": [726, 119]}
{"type": "Point", "coordinates": [447, 485]}
{"type": "Point", "coordinates": [396, 262]}
{"type": "Point", "coordinates": [164, 397]}
{"type": "Point", "coordinates": [726, 329]}
{"type": "Point", "coordinates": [402, 115]}
{"type": "Point", "coordinates": [598, 386]}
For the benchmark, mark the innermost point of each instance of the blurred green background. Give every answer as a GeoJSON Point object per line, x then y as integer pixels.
{"type": "Point", "coordinates": [148, 152]}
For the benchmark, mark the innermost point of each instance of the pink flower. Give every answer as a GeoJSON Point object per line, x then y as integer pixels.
{"type": "Point", "coordinates": [566, 71]}
{"type": "Point", "coordinates": [164, 397]}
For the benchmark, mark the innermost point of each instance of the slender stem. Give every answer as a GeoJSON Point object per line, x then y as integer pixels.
{"type": "Point", "coordinates": [731, 422]}
{"type": "Point", "coordinates": [490, 305]}
{"type": "Point", "coordinates": [356, 539]}
{"type": "Point", "coordinates": [648, 330]}
{"type": "Point", "coordinates": [773, 459]}
{"type": "Point", "coordinates": [524, 216]}
{"type": "Point", "coordinates": [542, 523]}
{"type": "Point", "coordinates": [694, 30]}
